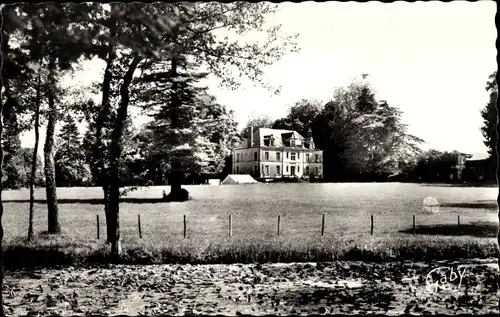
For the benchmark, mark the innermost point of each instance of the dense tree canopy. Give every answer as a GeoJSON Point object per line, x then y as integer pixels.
{"type": "Point", "coordinates": [361, 137]}
{"type": "Point", "coordinates": [489, 114]}
{"type": "Point", "coordinates": [256, 122]}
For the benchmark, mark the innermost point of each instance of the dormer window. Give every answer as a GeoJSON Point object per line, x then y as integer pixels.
{"type": "Point", "coordinates": [269, 140]}
{"type": "Point", "coordinates": [292, 142]}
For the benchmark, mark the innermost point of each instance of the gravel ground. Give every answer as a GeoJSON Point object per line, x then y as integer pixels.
{"type": "Point", "coordinates": [297, 288]}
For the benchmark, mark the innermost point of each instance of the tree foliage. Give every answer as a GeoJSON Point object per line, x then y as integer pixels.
{"type": "Point", "coordinates": [256, 122]}
{"type": "Point", "coordinates": [71, 168]}
{"type": "Point", "coordinates": [361, 137]}
{"type": "Point", "coordinates": [434, 165]}
{"type": "Point", "coordinates": [489, 115]}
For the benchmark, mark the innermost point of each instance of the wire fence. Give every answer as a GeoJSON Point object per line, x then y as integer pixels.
{"type": "Point", "coordinates": [322, 229]}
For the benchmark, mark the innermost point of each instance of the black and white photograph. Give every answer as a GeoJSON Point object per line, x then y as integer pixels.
{"type": "Point", "coordinates": [249, 158]}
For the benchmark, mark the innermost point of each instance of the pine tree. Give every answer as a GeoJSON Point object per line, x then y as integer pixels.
{"type": "Point", "coordinates": [489, 128]}
{"type": "Point", "coordinates": [175, 129]}
{"type": "Point", "coordinates": [69, 158]}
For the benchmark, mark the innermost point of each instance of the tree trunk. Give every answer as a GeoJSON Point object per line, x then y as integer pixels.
{"type": "Point", "coordinates": [34, 159]}
{"type": "Point", "coordinates": [109, 228]}
{"type": "Point", "coordinates": [50, 182]}
{"type": "Point", "coordinates": [115, 156]}
{"type": "Point", "coordinates": [98, 169]}
{"type": "Point", "coordinates": [177, 193]}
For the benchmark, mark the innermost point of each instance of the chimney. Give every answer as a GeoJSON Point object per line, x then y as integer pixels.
{"type": "Point", "coordinates": [251, 136]}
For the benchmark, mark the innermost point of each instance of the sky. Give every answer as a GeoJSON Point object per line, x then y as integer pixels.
{"type": "Point", "coordinates": [431, 60]}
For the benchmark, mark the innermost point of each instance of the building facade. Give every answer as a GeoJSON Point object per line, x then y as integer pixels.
{"type": "Point", "coordinates": [271, 154]}
{"type": "Point", "coordinates": [460, 167]}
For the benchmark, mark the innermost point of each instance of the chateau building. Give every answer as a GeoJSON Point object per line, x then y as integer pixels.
{"type": "Point", "coordinates": [271, 154]}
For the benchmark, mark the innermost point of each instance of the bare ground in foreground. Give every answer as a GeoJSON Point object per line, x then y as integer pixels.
{"type": "Point", "coordinates": [305, 288]}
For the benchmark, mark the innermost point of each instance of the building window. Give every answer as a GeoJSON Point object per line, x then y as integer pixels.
{"type": "Point", "coordinates": [298, 169]}
{"type": "Point", "coordinates": [237, 157]}
{"type": "Point", "coordinates": [267, 169]}
{"type": "Point", "coordinates": [298, 156]}
{"type": "Point", "coordinates": [287, 168]}
{"type": "Point", "coordinates": [307, 170]}
{"type": "Point", "coordinates": [255, 156]}
{"type": "Point", "coordinates": [317, 158]}
{"type": "Point", "coordinates": [278, 156]}
{"type": "Point", "coordinates": [266, 155]}
{"type": "Point", "coordinates": [307, 157]}
{"type": "Point", "coordinates": [292, 156]}
{"type": "Point", "coordinates": [255, 169]}
{"type": "Point", "coordinates": [292, 142]}
{"type": "Point", "coordinates": [237, 169]}
{"type": "Point", "coordinates": [317, 170]}
{"type": "Point", "coordinates": [278, 170]}
{"type": "Point", "coordinates": [287, 155]}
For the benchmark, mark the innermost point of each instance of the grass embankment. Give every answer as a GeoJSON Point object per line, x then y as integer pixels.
{"type": "Point", "coordinates": [49, 251]}
{"type": "Point", "coordinates": [254, 209]}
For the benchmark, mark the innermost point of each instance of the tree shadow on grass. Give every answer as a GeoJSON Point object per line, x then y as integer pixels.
{"type": "Point", "coordinates": [91, 201]}
{"type": "Point", "coordinates": [468, 184]}
{"type": "Point", "coordinates": [476, 229]}
{"type": "Point", "coordinates": [484, 204]}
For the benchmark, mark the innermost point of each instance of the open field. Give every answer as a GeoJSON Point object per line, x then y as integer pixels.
{"type": "Point", "coordinates": [254, 209]}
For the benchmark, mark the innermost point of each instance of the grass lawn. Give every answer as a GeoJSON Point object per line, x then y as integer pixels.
{"type": "Point", "coordinates": [254, 210]}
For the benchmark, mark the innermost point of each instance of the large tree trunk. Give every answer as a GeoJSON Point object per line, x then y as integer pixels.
{"type": "Point", "coordinates": [34, 159]}
{"type": "Point", "coordinates": [99, 170]}
{"type": "Point", "coordinates": [177, 193]}
{"type": "Point", "coordinates": [115, 156]}
{"type": "Point", "coordinates": [50, 172]}
{"type": "Point", "coordinates": [107, 213]}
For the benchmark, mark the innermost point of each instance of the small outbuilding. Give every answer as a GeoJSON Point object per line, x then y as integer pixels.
{"type": "Point", "coordinates": [234, 179]}
{"type": "Point", "coordinates": [214, 181]}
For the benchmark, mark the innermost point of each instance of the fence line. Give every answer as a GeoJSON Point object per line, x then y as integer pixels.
{"type": "Point", "coordinates": [139, 225]}
{"type": "Point", "coordinates": [185, 227]}
{"type": "Point", "coordinates": [371, 226]}
{"type": "Point", "coordinates": [322, 224]}
{"type": "Point", "coordinates": [279, 219]}
{"type": "Point", "coordinates": [278, 229]}
{"type": "Point", "coordinates": [414, 231]}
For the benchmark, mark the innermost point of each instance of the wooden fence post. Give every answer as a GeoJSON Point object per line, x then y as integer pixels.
{"type": "Point", "coordinates": [414, 225]}
{"type": "Point", "coordinates": [371, 226]}
{"type": "Point", "coordinates": [184, 226]}
{"type": "Point", "coordinates": [279, 219]}
{"type": "Point", "coordinates": [458, 220]}
{"type": "Point", "coordinates": [322, 224]}
{"type": "Point", "coordinates": [97, 227]}
{"type": "Point", "coordinates": [139, 225]}
{"type": "Point", "coordinates": [230, 226]}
